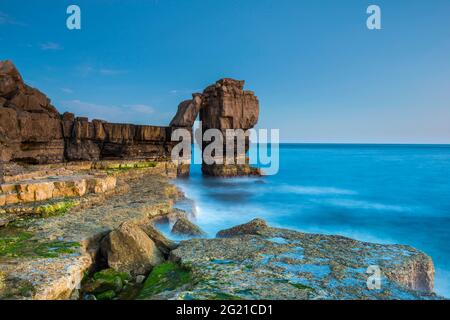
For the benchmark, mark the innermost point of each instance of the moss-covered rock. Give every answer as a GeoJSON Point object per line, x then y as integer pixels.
{"type": "Point", "coordinates": [107, 295]}
{"type": "Point", "coordinates": [165, 277]}
{"type": "Point", "coordinates": [55, 208]}
{"type": "Point", "coordinates": [106, 280]}
{"type": "Point", "coordinates": [120, 167]}
{"type": "Point", "coordinates": [14, 243]}
{"type": "Point", "coordinates": [2, 280]}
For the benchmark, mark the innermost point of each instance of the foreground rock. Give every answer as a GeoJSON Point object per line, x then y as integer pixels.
{"type": "Point", "coordinates": [184, 227]}
{"type": "Point", "coordinates": [164, 245]}
{"type": "Point", "coordinates": [259, 262]}
{"type": "Point", "coordinates": [129, 249]}
{"type": "Point", "coordinates": [47, 257]}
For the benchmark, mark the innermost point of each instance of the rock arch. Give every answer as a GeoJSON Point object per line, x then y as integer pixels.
{"type": "Point", "coordinates": [33, 131]}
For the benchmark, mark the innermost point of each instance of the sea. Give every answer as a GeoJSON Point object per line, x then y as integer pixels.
{"type": "Point", "coordinates": [390, 194]}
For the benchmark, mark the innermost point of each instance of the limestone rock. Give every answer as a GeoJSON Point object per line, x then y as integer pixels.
{"type": "Point", "coordinates": [164, 245]}
{"type": "Point", "coordinates": [288, 265]}
{"type": "Point", "coordinates": [129, 249]}
{"type": "Point", "coordinates": [185, 227]}
{"type": "Point", "coordinates": [253, 227]}
{"type": "Point", "coordinates": [30, 127]}
{"type": "Point", "coordinates": [32, 130]}
{"type": "Point", "coordinates": [226, 105]}
{"type": "Point", "coordinates": [187, 112]}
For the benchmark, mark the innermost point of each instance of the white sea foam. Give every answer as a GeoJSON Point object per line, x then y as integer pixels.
{"type": "Point", "coordinates": [312, 190]}
{"type": "Point", "coordinates": [366, 205]}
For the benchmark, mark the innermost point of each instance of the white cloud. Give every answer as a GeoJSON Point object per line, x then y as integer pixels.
{"type": "Point", "coordinates": [184, 91]}
{"type": "Point", "coordinates": [140, 108]}
{"type": "Point", "coordinates": [134, 113]}
{"type": "Point", "coordinates": [50, 46]}
{"type": "Point", "coordinates": [111, 72]}
{"type": "Point", "coordinates": [6, 19]}
{"type": "Point", "coordinates": [88, 70]}
{"type": "Point", "coordinates": [66, 90]}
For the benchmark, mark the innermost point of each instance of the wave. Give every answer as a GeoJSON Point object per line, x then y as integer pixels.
{"type": "Point", "coordinates": [310, 190]}
{"type": "Point", "coordinates": [367, 205]}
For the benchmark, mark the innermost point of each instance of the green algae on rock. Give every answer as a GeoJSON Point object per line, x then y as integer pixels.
{"type": "Point", "coordinates": [51, 253]}
{"type": "Point", "coordinates": [18, 243]}
{"type": "Point", "coordinates": [103, 282]}
{"type": "Point", "coordinates": [114, 169]}
{"type": "Point", "coordinates": [165, 277]}
{"type": "Point", "coordinates": [55, 208]}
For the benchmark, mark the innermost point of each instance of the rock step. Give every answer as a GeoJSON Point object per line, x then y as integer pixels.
{"type": "Point", "coordinates": [54, 187]}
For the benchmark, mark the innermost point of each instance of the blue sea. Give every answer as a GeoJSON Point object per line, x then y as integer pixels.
{"type": "Point", "coordinates": [396, 194]}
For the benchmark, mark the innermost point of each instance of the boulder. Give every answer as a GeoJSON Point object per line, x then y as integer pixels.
{"type": "Point", "coordinates": [186, 228]}
{"type": "Point", "coordinates": [129, 249]}
{"type": "Point", "coordinates": [164, 245]}
{"type": "Point", "coordinates": [253, 227]}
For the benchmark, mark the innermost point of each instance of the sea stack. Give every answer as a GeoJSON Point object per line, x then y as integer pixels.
{"type": "Point", "coordinates": [226, 105]}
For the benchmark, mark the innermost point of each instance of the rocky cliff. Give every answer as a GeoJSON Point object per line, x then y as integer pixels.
{"type": "Point", "coordinates": [33, 131]}
{"type": "Point", "coordinates": [30, 126]}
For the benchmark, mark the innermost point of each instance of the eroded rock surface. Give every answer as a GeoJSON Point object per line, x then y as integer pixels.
{"type": "Point", "coordinates": [164, 245]}
{"type": "Point", "coordinates": [129, 249]}
{"type": "Point", "coordinates": [30, 126]}
{"type": "Point", "coordinates": [187, 112]}
{"type": "Point", "coordinates": [285, 264]}
{"type": "Point", "coordinates": [46, 257]}
{"type": "Point", "coordinates": [184, 227]}
{"type": "Point", "coordinates": [226, 105]}
{"type": "Point", "coordinates": [32, 130]}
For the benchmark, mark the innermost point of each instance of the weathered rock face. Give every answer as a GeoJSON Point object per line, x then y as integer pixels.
{"type": "Point", "coordinates": [102, 140]}
{"type": "Point", "coordinates": [187, 112]}
{"type": "Point", "coordinates": [253, 227]}
{"type": "Point", "coordinates": [164, 245]}
{"type": "Point", "coordinates": [30, 127]}
{"type": "Point", "coordinates": [184, 227]}
{"type": "Point", "coordinates": [32, 130]}
{"type": "Point", "coordinates": [256, 261]}
{"type": "Point", "coordinates": [129, 249]}
{"type": "Point", "coordinates": [226, 105]}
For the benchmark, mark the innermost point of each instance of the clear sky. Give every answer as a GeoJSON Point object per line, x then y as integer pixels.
{"type": "Point", "coordinates": [320, 74]}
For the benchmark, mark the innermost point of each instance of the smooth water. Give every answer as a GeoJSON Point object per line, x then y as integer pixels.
{"type": "Point", "coordinates": [377, 193]}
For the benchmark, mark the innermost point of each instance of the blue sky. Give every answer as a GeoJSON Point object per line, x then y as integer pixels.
{"type": "Point", "coordinates": [320, 74]}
